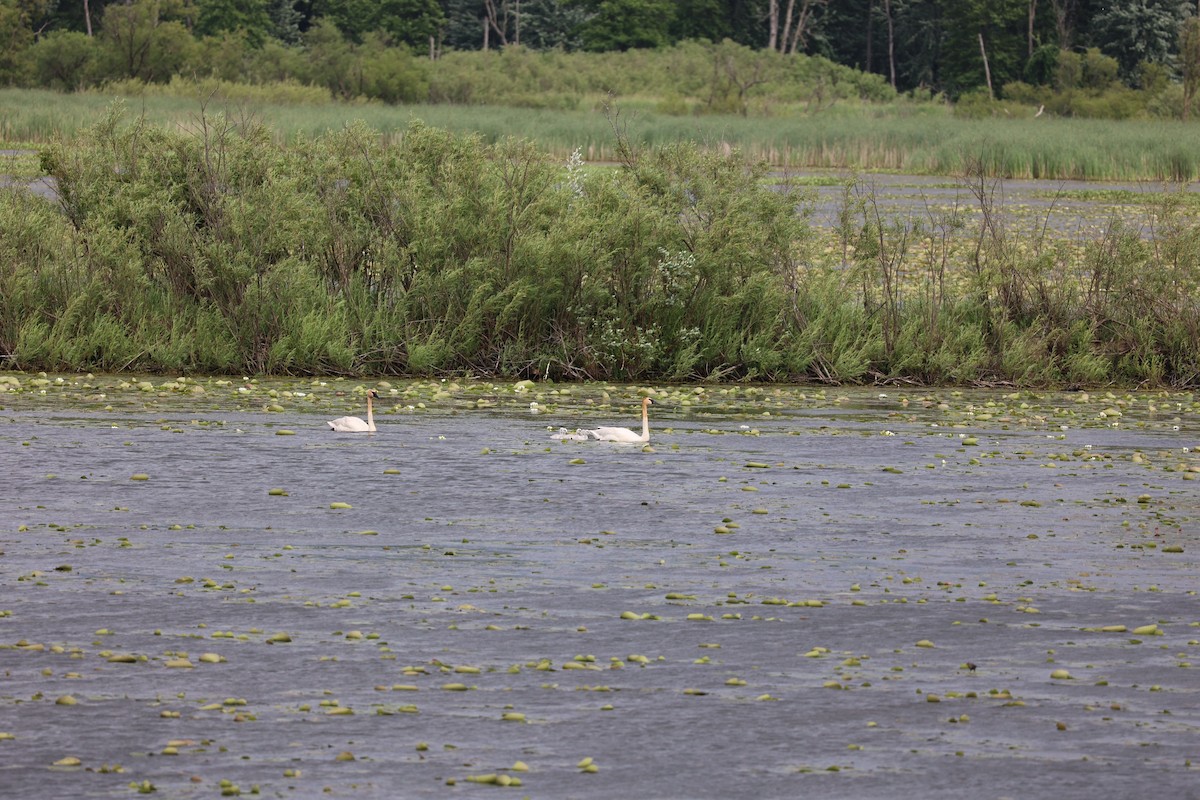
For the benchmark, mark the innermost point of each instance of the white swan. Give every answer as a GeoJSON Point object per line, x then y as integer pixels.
{"type": "Point", "coordinates": [355, 424]}
{"type": "Point", "coordinates": [565, 435]}
{"type": "Point", "coordinates": [613, 434]}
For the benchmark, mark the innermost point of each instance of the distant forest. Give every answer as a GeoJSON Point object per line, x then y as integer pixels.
{"type": "Point", "coordinates": [929, 48]}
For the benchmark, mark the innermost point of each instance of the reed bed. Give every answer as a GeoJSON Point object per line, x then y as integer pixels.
{"type": "Point", "coordinates": [926, 139]}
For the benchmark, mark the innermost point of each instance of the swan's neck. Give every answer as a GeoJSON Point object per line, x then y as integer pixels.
{"type": "Point", "coordinates": [645, 422]}
{"type": "Point", "coordinates": [370, 415]}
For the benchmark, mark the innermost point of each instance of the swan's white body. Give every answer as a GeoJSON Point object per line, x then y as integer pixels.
{"type": "Point", "coordinates": [355, 424]}
{"type": "Point", "coordinates": [614, 434]}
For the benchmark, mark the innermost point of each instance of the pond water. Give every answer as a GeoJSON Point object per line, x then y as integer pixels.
{"type": "Point", "coordinates": [1038, 209]}
{"type": "Point", "coordinates": [790, 592]}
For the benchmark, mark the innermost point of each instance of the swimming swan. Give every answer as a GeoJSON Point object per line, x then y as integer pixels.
{"type": "Point", "coordinates": [355, 424]}
{"type": "Point", "coordinates": [613, 434]}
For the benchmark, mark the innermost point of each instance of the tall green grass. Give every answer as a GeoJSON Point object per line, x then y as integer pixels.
{"type": "Point", "coordinates": [221, 249]}
{"type": "Point", "coordinates": [919, 139]}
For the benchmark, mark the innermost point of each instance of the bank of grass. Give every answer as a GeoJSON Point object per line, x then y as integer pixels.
{"type": "Point", "coordinates": [899, 137]}
{"type": "Point", "coordinates": [223, 250]}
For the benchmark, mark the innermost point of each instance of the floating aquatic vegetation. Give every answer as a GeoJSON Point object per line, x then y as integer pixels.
{"type": "Point", "coordinates": [473, 568]}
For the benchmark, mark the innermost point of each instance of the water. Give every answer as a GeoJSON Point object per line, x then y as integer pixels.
{"type": "Point", "coordinates": [776, 658]}
{"type": "Point", "coordinates": [1037, 209]}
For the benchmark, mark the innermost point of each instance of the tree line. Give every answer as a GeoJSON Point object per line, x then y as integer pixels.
{"type": "Point", "coordinates": [950, 47]}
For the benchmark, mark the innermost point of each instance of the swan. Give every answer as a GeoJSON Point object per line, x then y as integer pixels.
{"type": "Point", "coordinates": [614, 434]}
{"type": "Point", "coordinates": [355, 424]}
{"type": "Point", "coordinates": [565, 435]}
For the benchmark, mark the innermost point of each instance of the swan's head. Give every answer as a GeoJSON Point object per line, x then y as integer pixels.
{"type": "Point", "coordinates": [646, 401]}
{"type": "Point", "coordinates": [373, 394]}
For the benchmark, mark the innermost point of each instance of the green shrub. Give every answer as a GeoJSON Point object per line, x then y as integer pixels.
{"type": "Point", "coordinates": [221, 249]}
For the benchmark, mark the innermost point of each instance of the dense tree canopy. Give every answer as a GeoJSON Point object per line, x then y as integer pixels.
{"type": "Point", "coordinates": [627, 24]}
{"type": "Point", "coordinates": [1138, 31]}
{"type": "Point", "coordinates": [221, 16]}
{"type": "Point", "coordinates": [948, 46]}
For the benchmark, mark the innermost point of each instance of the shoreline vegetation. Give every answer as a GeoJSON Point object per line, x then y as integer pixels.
{"type": "Point", "coordinates": [219, 246]}
{"type": "Point", "coordinates": [902, 136]}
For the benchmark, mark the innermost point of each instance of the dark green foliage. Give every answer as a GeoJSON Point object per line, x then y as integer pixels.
{"type": "Point", "coordinates": [145, 39]}
{"type": "Point", "coordinates": [285, 20]}
{"type": "Point", "coordinates": [411, 22]}
{"type": "Point", "coordinates": [1042, 65]}
{"type": "Point", "coordinates": [1000, 23]}
{"type": "Point", "coordinates": [15, 37]}
{"type": "Point", "coordinates": [251, 17]}
{"type": "Point", "coordinates": [552, 24]}
{"type": "Point", "coordinates": [926, 48]}
{"type": "Point", "coordinates": [627, 24]}
{"type": "Point", "coordinates": [1140, 31]}
{"type": "Point", "coordinates": [465, 24]}
{"type": "Point", "coordinates": [64, 60]}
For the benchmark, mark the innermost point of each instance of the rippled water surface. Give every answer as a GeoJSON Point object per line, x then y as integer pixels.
{"type": "Point", "coordinates": [789, 593]}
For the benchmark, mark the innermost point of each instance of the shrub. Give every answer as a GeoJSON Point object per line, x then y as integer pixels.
{"type": "Point", "coordinates": [217, 248]}
{"type": "Point", "coordinates": [64, 60]}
